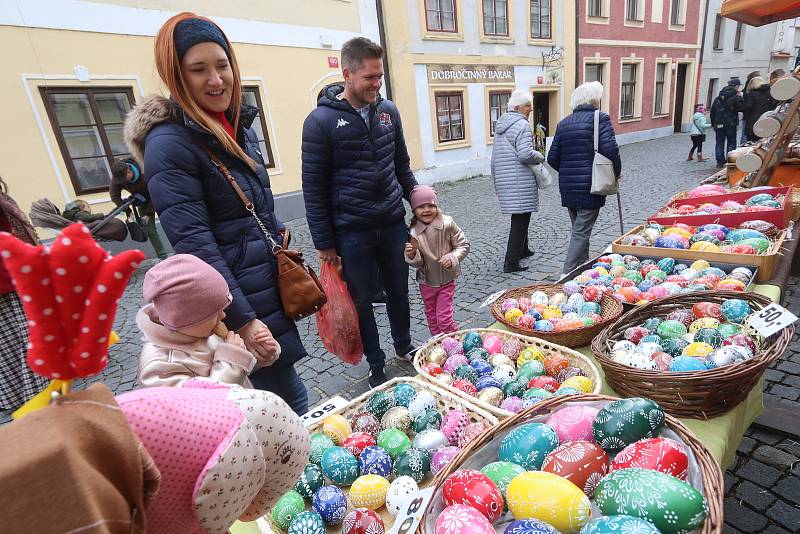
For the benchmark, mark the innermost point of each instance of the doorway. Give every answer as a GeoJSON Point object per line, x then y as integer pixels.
{"type": "Point", "coordinates": [544, 116]}
{"type": "Point", "coordinates": [680, 95]}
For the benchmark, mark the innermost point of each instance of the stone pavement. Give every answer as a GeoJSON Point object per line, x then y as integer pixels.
{"type": "Point", "coordinates": [762, 488]}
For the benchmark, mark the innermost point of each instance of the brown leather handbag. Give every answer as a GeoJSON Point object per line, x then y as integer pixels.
{"type": "Point", "coordinates": [300, 290]}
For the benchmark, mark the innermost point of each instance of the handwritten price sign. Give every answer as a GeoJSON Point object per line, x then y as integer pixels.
{"type": "Point", "coordinates": [323, 410]}
{"type": "Point", "coordinates": [771, 319]}
{"type": "Point", "coordinates": [410, 516]}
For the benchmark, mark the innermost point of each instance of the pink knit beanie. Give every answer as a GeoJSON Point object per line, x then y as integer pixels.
{"type": "Point", "coordinates": [185, 291]}
{"type": "Point", "coordinates": [423, 194]}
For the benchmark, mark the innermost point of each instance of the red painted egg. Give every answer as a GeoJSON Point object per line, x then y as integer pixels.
{"type": "Point", "coordinates": [466, 386]}
{"type": "Point", "coordinates": [433, 369]}
{"type": "Point", "coordinates": [581, 462]}
{"type": "Point", "coordinates": [677, 279]}
{"type": "Point", "coordinates": [545, 382]}
{"type": "Point", "coordinates": [475, 489]}
{"type": "Point", "coordinates": [742, 249]}
{"type": "Point", "coordinates": [683, 315]}
{"type": "Point", "coordinates": [555, 363]}
{"type": "Point", "coordinates": [472, 431]}
{"type": "Point", "coordinates": [624, 282]}
{"type": "Point", "coordinates": [729, 285]}
{"type": "Point", "coordinates": [357, 442]}
{"type": "Point", "coordinates": [707, 309]}
{"type": "Point", "coordinates": [634, 334]}
{"type": "Point", "coordinates": [592, 294]}
{"type": "Point", "coordinates": [662, 360]}
{"type": "Point", "coordinates": [742, 340]}
{"type": "Point", "coordinates": [363, 521]}
{"type": "Point", "coordinates": [660, 454]}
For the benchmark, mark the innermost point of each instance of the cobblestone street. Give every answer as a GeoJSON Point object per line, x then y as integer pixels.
{"type": "Point", "coordinates": [762, 488]}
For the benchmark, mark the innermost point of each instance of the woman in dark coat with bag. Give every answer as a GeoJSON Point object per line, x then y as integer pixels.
{"type": "Point", "coordinates": [757, 102]}
{"type": "Point", "coordinates": [199, 210]}
{"type": "Point", "coordinates": [572, 155]}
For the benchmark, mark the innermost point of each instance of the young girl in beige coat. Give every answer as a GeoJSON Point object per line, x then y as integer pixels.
{"type": "Point", "coordinates": [183, 331]}
{"type": "Point", "coordinates": [436, 250]}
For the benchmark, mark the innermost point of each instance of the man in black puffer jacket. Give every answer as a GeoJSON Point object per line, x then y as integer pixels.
{"type": "Point", "coordinates": [356, 172]}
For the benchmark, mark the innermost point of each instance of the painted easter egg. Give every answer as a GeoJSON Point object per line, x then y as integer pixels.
{"type": "Point", "coordinates": [683, 364]}
{"type": "Point", "coordinates": [404, 393]}
{"type": "Point", "coordinates": [398, 493]}
{"type": "Point", "coordinates": [512, 348]}
{"type": "Point", "coordinates": [573, 423]}
{"type": "Point", "coordinates": [472, 340]}
{"type": "Point", "coordinates": [363, 521]}
{"type": "Point", "coordinates": [721, 357]}
{"type": "Point", "coordinates": [703, 322]}
{"type": "Point", "coordinates": [466, 386]}
{"type": "Point", "coordinates": [624, 421]}
{"type": "Point", "coordinates": [452, 363]}
{"type": "Point", "coordinates": [450, 344]}
{"type": "Point", "coordinates": [583, 463]}
{"type": "Point", "coordinates": [529, 526]}
{"type": "Point", "coordinates": [462, 519]}
{"type": "Point", "coordinates": [357, 442]}
{"type": "Point", "coordinates": [470, 433]}
{"type": "Point", "coordinates": [307, 523]}
{"type": "Point", "coordinates": [397, 417]}
{"type": "Point", "coordinates": [288, 506]}
{"type": "Point", "coordinates": [379, 403]}
{"type": "Point", "coordinates": [482, 367]}
{"type": "Point", "coordinates": [369, 491]}
{"type": "Point", "coordinates": [512, 404]}
{"type": "Point", "coordinates": [430, 420]}
{"type": "Point", "coordinates": [515, 388]}
{"type": "Point", "coordinates": [710, 336]}
{"type": "Point", "coordinates": [438, 356]}
{"type": "Point", "coordinates": [365, 422]}
{"type": "Point", "coordinates": [487, 381]}
{"type": "Point", "coordinates": [413, 462]}
{"type": "Point", "coordinates": [736, 310]}
{"type": "Point", "coordinates": [310, 480]}
{"type": "Point", "coordinates": [612, 524]}
{"type": "Point", "coordinates": [433, 369]}
{"type": "Point", "coordinates": [336, 427]}
{"type": "Point", "coordinates": [549, 498]}
{"type": "Point", "coordinates": [478, 354]}
{"type": "Point", "coordinates": [528, 444]}
{"type": "Point", "coordinates": [697, 349]}
{"type": "Point", "coordinates": [473, 488]}
{"type": "Point", "coordinates": [670, 504]}
{"type": "Point", "coordinates": [742, 340]}
{"type": "Point", "coordinates": [331, 504]}
{"type": "Point", "coordinates": [453, 424]}
{"type": "Point", "coordinates": [376, 461]}
{"type": "Point", "coordinates": [662, 454]}
{"type": "Point", "coordinates": [441, 457]}
{"type": "Point", "coordinates": [496, 360]}
{"type": "Point", "coordinates": [504, 374]}
{"type": "Point", "coordinates": [319, 444]}
{"type": "Point", "coordinates": [530, 369]}
{"type": "Point", "coordinates": [493, 344]}
{"type": "Point", "coordinates": [530, 354]}
{"type": "Point", "coordinates": [501, 474]}
{"type": "Point", "coordinates": [671, 328]}
{"type": "Point", "coordinates": [394, 441]}
{"type": "Point", "coordinates": [674, 346]}
{"type": "Point", "coordinates": [422, 401]}
{"type": "Point", "coordinates": [466, 372]}
{"type": "Point", "coordinates": [340, 466]}
{"type": "Point", "coordinates": [430, 440]}
{"type": "Point", "coordinates": [493, 396]}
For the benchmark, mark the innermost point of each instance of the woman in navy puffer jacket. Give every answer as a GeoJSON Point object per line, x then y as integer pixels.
{"type": "Point", "coordinates": [572, 155]}
{"type": "Point", "coordinates": [199, 210]}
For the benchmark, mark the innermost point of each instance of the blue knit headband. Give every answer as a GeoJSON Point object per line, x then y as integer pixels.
{"type": "Point", "coordinates": [190, 32]}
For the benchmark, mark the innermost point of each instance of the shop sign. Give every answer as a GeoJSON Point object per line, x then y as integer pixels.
{"type": "Point", "coordinates": [323, 410]}
{"type": "Point", "coordinates": [554, 76]}
{"type": "Point", "coordinates": [470, 73]}
{"type": "Point", "coordinates": [333, 62]}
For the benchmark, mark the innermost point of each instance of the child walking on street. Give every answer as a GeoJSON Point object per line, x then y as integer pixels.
{"type": "Point", "coordinates": [436, 249]}
{"type": "Point", "coordinates": [183, 329]}
{"type": "Point", "coordinates": [698, 135]}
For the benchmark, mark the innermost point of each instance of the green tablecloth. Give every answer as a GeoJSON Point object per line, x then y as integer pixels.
{"type": "Point", "coordinates": [721, 435]}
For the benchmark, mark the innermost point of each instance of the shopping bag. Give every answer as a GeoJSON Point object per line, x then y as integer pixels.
{"type": "Point", "coordinates": [337, 320]}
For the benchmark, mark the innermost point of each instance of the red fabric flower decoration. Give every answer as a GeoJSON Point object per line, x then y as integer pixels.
{"type": "Point", "coordinates": [70, 292]}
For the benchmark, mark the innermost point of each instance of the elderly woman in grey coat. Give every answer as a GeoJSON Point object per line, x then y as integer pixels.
{"type": "Point", "coordinates": [514, 181]}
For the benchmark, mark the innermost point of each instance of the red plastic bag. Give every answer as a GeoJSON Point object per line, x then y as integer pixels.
{"type": "Point", "coordinates": [337, 320]}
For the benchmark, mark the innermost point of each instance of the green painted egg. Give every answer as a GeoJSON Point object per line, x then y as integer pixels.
{"type": "Point", "coordinates": [527, 445]}
{"type": "Point", "coordinates": [672, 505]}
{"type": "Point", "coordinates": [671, 328]}
{"type": "Point", "coordinates": [466, 372]}
{"type": "Point", "coordinates": [430, 420]}
{"type": "Point", "coordinates": [472, 340]}
{"type": "Point", "coordinates": [634, 276]}
{"type": "Point", "coordinates": [529, 370]}
{"type": "Point", "coordinates": [726, 330]}
{"type": "Point", "coordinates": [379, 403]}
{"type": "Point", "coordinates": [536, 393]}
{"type": "Point", "coordinates": [624, 421]}
{"type": "Point", "coordinates": [666, 265]}
{"type": "Point", "coordinates": [761, 244]}
{"type": "Point", "coordinates": [657, 274]}
{"type": "Point", "coordinates": [413, 462]}
{"type": "Point", "coordinates": [319, 444]}
{"type": "Point", "coordinates": [340, 466]}
{"type": "Point", "coordinates": [478, 354]}
{"type": "Point", "coordinates": [310, 481]}
{"type": "Point", "coordinates": [501, 474]}
{"type": "Point", "coordinates": [307, 523]}
{"type": "Point", "coordinates": [674, 346]}
{"type": "Point", "coordinates": [393, 441]}
{"type": "Point", "coordinates": [288, 506]}
{"type": "Point", "coordinates": [403, 394]}
{"type": "Point", "coordinates": [515, 388]}
{"type": "Point", "coordinates": [710, 336]}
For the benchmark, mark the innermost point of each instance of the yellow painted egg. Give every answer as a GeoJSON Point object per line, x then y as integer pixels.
{"type": "Point", "coordinates": [529, 354]}
{"type": "Point", "coordinates": [698, 349]}
{"type": "Point", "coordinates": [583, 384]}
{"type": "Point", "coordinates": [731, 283]}
{"type": "Point", "coordinates": [512, 314]}
{"type": "Point", "coordinates": [617, 271]}
{"type": "Point", "coordinates": [337, 428]}
{"type": "Point", "coordinates": [700, 265]}
{"type": "Point", "coordinates": [549, 498]}
{"type": "Point", "coordinates": [677, 231]}
{"type": "Point", "coordinates": [704, 246]}
{"type": "Point", "coordinates": [703, 322]}
{"type": "Point", "coordinates": [582, 278]}
{"type": "Point", "coordinates": [601, 270]}
{"type": "Point", "coordinates": [552, 312]}
{"type": "Point", "coordinates": [369, 491]}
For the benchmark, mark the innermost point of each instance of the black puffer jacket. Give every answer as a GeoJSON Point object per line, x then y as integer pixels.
{"type": "Point", "coordinates": [756, 103]}
{"type": "Point", "coordinates": [355, 174]}
{"type": "Point", "coordinates": [725, 109]}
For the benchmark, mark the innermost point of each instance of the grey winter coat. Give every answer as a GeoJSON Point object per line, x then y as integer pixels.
{"type": "Point", "coordinates": [512, 156]}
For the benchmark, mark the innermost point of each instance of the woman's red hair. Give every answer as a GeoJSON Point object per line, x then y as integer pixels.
{"type": "Point", "coordinates": [169, 69]}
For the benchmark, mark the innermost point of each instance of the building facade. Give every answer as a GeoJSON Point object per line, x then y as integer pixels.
{"type": "Point", "coordinates": [646, 53]}
{"type": "Point", "coordinates": [732, 48]}
{"type": "Point", "coordinates": [77, 68]}
{"type": "Point", "coordinates": [454, 63]}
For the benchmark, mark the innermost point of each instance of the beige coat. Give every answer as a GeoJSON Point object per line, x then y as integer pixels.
{"type": "Point", "coordinates": [440, 238]}
{"type": "Point", "coordinates": [170, 358]}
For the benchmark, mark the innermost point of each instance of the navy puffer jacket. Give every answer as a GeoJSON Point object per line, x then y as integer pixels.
{"type": "Point", "coordinates": [202, 215]}
{"type": "Point", "coordinates": [572, 155]}
{"type": "Point", "coordinates": [355, 173]}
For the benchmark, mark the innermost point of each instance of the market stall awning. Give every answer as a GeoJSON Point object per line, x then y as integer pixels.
{"type": "Point", "coordinates": [760, 12]}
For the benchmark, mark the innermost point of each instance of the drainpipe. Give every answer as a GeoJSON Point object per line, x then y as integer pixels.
{"type": "Point", "coordinates": [577, 42]}
{"type": "Point", "coordinates": [387, 80]}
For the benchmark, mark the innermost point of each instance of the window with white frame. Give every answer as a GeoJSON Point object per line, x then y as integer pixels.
{"type": "Point", "coordinates": [634, 10]}
{"type": "Point", "coordinates": [440, 16]}
{"type": "Point", "coordinates": [661, 93]}
{"type": "Point", "coordinates": [450, 116]}
{"type": "Point", "coordinates": [738, 40]}
{"type": "Point", "coordinates": [718, 27]}
{"type": "Point", "coordinates": [541, 16]}
{"type": "Point", "coordinates": [495, 18]}
{"type": "Point", "coordinates": [627, 95]}
{"type": "Point", "coordinates": [596, 8]}
{"type": "Point", "coordinates": [677, 12]}
{"type": "Point", "coordinates": [251, 97]}
{"type": "Point", "coordinates": [498, 104]}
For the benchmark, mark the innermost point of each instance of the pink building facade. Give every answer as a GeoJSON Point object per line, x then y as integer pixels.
{"type": "Point", "coordinates": [646, 53]}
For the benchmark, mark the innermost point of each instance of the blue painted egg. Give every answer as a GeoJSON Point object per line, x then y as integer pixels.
{"type": "Point", "coordinates": [571, 288]}
{"type": "Point", "coordinates": [543, 325]}
{"type": "Point", "coordinates": [488, 381]}
{"type": "Point", "coordinates": [567, 390]}
{"type": "Point", "coordinates": [760, 198]}
{"type": "Point", "coordinates": [668, 242]}
{"type": "Point", "coordinates": [687, 363]}
{"type": "Point", "coordinates": [619, 524]}
{"type": "Point", "coordinates": [646, 285]}
{"type": "Point", "coordinates": [403, 394]}
{"type": "Point", "coordinates": [588, 308]}
{"type": "Point", "coordinates": [713, 226]}
{"type": "Point", "coordinates": [481, 366]}
{"type": "Point", "coordinates": [666, 264]}
{"type": "Point", "coordinates": [741, 234]}
{"type": "Point", "coordinates": [527, 445]}
{"type": "Point", "coordinates": [340, 466]}
{"type": "Point", "coordinates": [373, 460]}
{"type": "Point", "coordinates": [679, 268]}
{"type": "Point", "coordinates": [529, 526]}
{"type": "Point", "coordinates": [736, 310]}
{"type": "Point", "coordinates": [566, 308]}
{"type": "Point", "coordinates": [331, 504]}
{"type": "Point", "coordinates": [535, 314]}
{"type": "Point", "coordinates": [576, 300]}
{"type": "Point", "coordinates": [716, 271]}
{"type": "Point", "coordinates": [471, 341]}
{"type": "Point", "coordinates": [652, 338]}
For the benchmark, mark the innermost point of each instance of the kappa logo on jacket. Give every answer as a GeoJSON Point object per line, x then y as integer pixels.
{"type": "Point", "coordinates": [340, 123]}
{"type": "Point", "coordinates": [385, 119]}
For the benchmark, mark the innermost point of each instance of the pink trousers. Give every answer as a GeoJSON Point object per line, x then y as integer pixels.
{"type": "Point", "coordinates": [439, 307]}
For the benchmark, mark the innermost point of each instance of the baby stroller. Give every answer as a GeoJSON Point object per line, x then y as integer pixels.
{"type": "Point", "coordinates": [47, 215]}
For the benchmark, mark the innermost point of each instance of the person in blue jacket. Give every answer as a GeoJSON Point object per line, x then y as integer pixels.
{"type": "Point", "coordinates": [356, 173]}
{"type": "Point", "coordinates": [572, 154]}
{"type": "Point", "coordinates": [199, 210]}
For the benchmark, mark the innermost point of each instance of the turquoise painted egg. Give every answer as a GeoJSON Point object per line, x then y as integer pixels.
{"type": "Point", "coordinates": [758, 199]}
{"type": "Point", "coordinates": [331, 504]}
{"type": "Point", "coordinates": [674, 346]}
{"type": "Point", "coordinates": [423, 401]}
{"type": "Point", "coordinates": [414, 462]}
{"type": "Point", "coordinates": [310, 481]}
{"type": "Point", "coordinates": [686, 363]}
{"type": "Point", "coordinates": [515, 389]}
{"type": "Point", "coordinates": [472, 340]}
{"type": "Point", "coordinates": [726, 330]}
{"type": "Point", "coordinates": [624, 421]}
{"type": "Point", "coordinates": [666, 265]}
{"type": "Point", "coordinates": [651, 324]}
{"type": "Point", "coordinates": [319, 444]}
{"type": "Point", "coordinates": [379, 403]}
{"type": "Point", "coordinates": [671, 328]}
{"type": "Point", "coordinates": [528, 444]}
{"type": "Point", "coordinates": [736, 310]}
{"type": "Point", "coordinates": [466, 372]}
{"type": "Point", "coordinates": [567, 390]}
{"type": "Point", "coordinates": [393, 441]}
{"type": "Point", "coordinates": [307, 523]}
{"type": "Point", "coordinates": [478, 354]}
{"type": "Point", "coordinates": [529, 526]}
{"type": "Point", "coordinates": [710, 336]}
{"type": "Point", "coordinates": [589, 307]}
{"type": "Point", "coordinates": [403, 394]}
{"type": "Point", "coordinates": [619, 524]}
{"type": "Point", "coordinates": [373, 460]}
{"type": "Point", "coordinates": [340, 466]}
{"type": "Point", "coordinates": [288, 506]}
{"type": "Point", "coordinates": [430, 420]}
{"type": "Point", "coordinates": [672, 505]}
{"type": "Point", "coordinates": [530, 369]}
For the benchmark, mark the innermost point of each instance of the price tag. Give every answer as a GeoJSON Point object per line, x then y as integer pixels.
{"type": "Point", "coordinates": [318, 412]}
{"type": "Point", "coordinates": [409, 518]}
{"type": "Point", "coordinates": [491, 298]}
{"type": "Point", "coordinates": [771, 319]}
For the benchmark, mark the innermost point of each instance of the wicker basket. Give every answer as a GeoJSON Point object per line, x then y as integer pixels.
{"type": "Point", "coordinates": [575, 359]}
{"type": "Point", "coordinates": [610, 310]}
{"type": "Point", "coordinates": [445, 401]}
{"type": "Point", "coordinates": [695, 394]}
{"type": "Point", "coordinates": [709, 470]}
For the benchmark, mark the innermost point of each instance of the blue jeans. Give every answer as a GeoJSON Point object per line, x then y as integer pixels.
{"type": "Point", "coordinates": [723, 135]}
{"type": "Point", "coordinates": [367, 257]}
{"type": "Point", "coordinates": [283, 380]}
